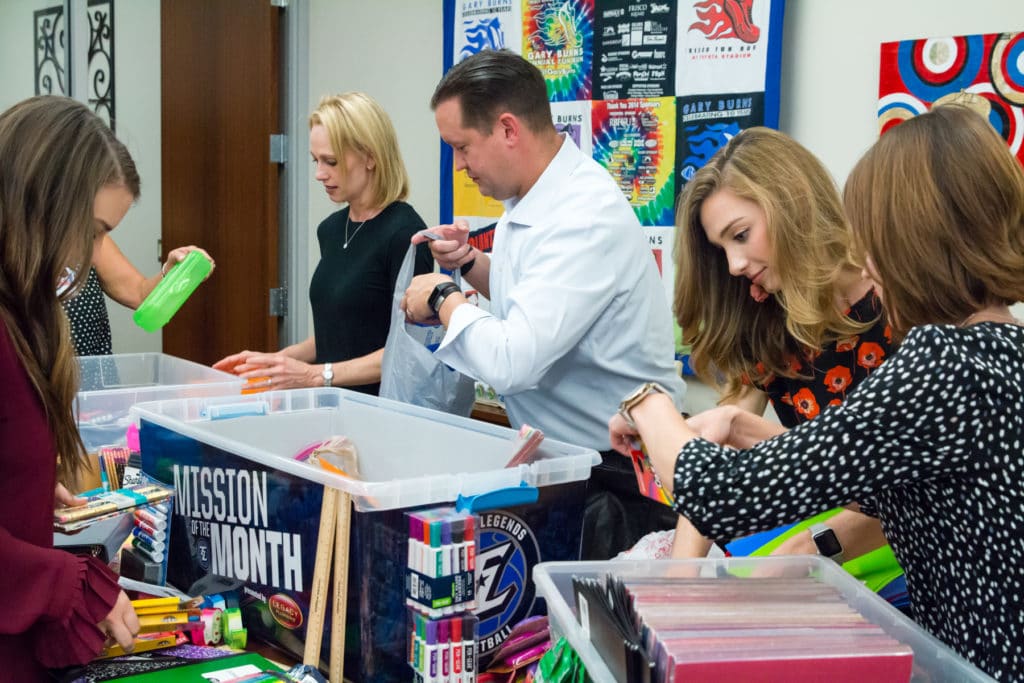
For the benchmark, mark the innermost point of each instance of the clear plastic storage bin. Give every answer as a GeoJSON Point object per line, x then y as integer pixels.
{"type": "Point", "coordinates": [111, 385]}
{"type": "Point", "coordinates": [408, 456]}
{"type": "Point", "coordinates": [933, 661]}
{"type": "Point", "coordinates": [248, 510]}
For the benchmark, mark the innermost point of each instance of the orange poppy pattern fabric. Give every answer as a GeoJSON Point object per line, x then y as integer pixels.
{"type": "Point", "coordinates": [834, 371]}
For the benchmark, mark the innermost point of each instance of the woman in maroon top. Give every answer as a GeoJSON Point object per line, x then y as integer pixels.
{"type": "Point", "coordinates": [62, 186]}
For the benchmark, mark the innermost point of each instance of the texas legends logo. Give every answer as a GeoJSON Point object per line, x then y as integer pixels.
{"type": "Point", "coordinates": [504, 592]}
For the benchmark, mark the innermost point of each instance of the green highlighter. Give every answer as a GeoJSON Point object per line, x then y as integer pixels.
{"type": "Point", "coordinates": [172, 291]}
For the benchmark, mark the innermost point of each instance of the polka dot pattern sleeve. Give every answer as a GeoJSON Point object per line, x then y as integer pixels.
{"type": "Point", "coordinates": [933, 441]}
{"type": "Point", "coordinates": [87, 314]}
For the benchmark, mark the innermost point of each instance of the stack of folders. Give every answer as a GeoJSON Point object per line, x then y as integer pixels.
{"type": "Point", "coordinates": [713, 629]}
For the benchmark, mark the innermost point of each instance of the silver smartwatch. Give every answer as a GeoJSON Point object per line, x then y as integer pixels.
{"type": "Point", "coordinates": [328, 375]}
{"type": "Point", "coordinates": [635, 397]}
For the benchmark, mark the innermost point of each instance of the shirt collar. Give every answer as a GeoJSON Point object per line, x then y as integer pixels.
{"type": "Point", "coordinates": [536, 204]}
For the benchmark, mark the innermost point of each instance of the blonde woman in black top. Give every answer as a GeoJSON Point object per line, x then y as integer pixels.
{"type": "Point", "coordinates": [355, 152]}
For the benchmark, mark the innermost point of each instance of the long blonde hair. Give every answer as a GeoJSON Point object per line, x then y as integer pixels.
{"type": "Point", "coordinates": [55, 155]}
{"type": "Point", "coordinates": [734, 338]}
{"type": "Point", "coordinates": [938, 204]}
{"type": "Point", "coordinates": [356, 122]}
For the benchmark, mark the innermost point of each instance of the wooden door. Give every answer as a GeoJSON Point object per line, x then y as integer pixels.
{"type": "Point", "coordinates": [220, 73]}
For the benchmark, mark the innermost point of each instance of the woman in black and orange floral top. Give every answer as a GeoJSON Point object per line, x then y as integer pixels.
{"type": "Point", "coordinates": [772, 304]}
{"type": "Point", "coordinates": [827, 376]}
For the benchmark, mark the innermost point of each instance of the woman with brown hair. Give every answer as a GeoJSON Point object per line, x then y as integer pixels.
{"type": "Point", "coordinates": [774, 308]}
{"type": "Point", "coordinates": [61, 190]}
{"type": "Point", "coordinates": [931, 441]}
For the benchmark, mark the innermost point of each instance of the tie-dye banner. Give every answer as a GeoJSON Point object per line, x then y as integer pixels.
{"type": "Point", "coordinates": [650, 88]}
{"type": "Point", "coordinates": [986, 72]}
{"type": "Point", "coordinates": [558, 38]}
{"type": "Point", "coordinates": [713, 63]}
{"type": "Point", "coordinates": [636, 141]}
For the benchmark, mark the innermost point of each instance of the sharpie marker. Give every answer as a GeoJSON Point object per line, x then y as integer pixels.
{"type": "Point", "coordinates": [432, 668]}
{"type": "Point", "coordinates": [457, 648]}
{"type": "Point", "coordinates": [152, 548]}
{"type": "Point", "coordinates": [444, 650]}
{"type": "Point", "coordinates": [152, 520]}
{"type": "Point", "coordinates": [146, 554]}
{"type": "Point", "coordinates": [158, 534]}
{"type": "Point", "coordinates": [156, 543]}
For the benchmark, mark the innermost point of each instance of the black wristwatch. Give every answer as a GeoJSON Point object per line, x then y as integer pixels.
{"type": "Point", "coordinates": [440, 293]}
{"type": "Point", "coordinates": [827, 542]}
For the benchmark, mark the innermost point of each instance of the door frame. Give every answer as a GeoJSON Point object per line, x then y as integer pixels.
{"type": "Point", "coordinates": [295, 230]}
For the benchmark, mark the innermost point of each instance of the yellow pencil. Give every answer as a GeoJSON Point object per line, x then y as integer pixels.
{"type": "Point", "coordinates": [170, 604]}
{"type": "Point", "coordinates": [156, 602]}
{"type": "Point", "coordinates": [151, 641]}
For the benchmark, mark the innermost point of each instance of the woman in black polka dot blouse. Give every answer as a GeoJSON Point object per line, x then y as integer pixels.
{"type": "Point", "coordinates": [933, 441]}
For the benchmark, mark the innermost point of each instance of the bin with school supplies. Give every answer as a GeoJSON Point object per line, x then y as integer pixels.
{"type": "Point", "coordinates": [249, 510]}
{"type": "Point", "coordinates": [907, 644]}
{"type": "Point", "coordinates": [111, 385]}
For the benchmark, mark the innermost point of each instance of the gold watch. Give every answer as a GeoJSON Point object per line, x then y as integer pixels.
{"type": "Point", "coordinates": [635, 397]}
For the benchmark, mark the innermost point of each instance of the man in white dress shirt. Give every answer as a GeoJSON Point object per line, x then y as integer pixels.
{"type": "Point", "coordinates": [578, 316]}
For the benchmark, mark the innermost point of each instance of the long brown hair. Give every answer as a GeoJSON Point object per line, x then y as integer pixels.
{"type": "Point", "coordinates": [938, 205]}
{"type": "Point", "coordinates": [734, 337]}
{"type": "Point", "coordinates": [55, 155]}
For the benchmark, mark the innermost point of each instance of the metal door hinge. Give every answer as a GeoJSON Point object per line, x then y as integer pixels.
{"type": "Point", "coordinates": [279, 301]}
{"type": "Point", "coordinates": [278, 148]}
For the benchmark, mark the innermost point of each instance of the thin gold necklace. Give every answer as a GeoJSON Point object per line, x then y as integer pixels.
{"type": "Point", "coordinates": [354, 233]}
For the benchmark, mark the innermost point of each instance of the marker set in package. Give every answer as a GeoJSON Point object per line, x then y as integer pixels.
{"type": "Point", "coordinates": [440, 594]}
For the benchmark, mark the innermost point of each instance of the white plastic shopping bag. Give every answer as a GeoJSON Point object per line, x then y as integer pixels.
{"type": "Point", "coordinates": [409, 372]}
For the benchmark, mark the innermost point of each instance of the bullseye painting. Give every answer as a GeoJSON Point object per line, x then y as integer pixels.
{"type": "Point", "coordinates": [984, 72]}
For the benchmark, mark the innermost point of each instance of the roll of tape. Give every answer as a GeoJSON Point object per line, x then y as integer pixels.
{"type": "Point", "coordinates": [235, 634]}
{"type": "Point", "coordinates": [211, 631]}
{"type": "Point", "coordinates": [216, 601]}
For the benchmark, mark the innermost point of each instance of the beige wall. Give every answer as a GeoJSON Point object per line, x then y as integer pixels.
{"type": "Point", "coordinates": [137, 69]}
{"type": "Point", "coordinates": [390, 49]}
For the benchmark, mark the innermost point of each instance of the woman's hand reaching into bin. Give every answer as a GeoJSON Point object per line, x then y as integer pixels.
{"type": "Point", "coordinates": [271, 370]}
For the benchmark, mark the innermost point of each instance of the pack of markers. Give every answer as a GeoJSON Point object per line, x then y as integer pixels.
{"type": "Point", "coordinates": [146, 559]}
{"type": "Point", "coordinates": [443, 650]}
{"type": "Point", "coordinates": [440, 575]}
